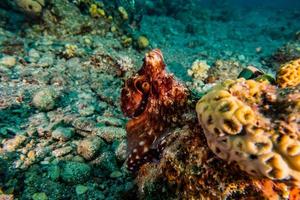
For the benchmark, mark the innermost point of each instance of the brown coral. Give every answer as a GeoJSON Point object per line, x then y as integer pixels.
{"type": "Point", "coordinates": [289, 74]}
{"type": "Point", "coordinates": [256, 125]}
{"type": "Point", "coordinates": [153, 99]}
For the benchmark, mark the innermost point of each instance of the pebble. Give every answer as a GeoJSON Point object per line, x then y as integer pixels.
{"type": "Point", "coordinates": [88, 148]}
{"type": "Point", "coordinates": [115, 174]}
{"type": "Point", "coordinates": [33, 56]}
{"type": "Point", "coordinates": [46, 61]}
{"type": "Point", "coordinates": [39, 196]}
{"type": "Point", "coordinates": [8, 61]}
{"type": "Point", "coordinates": [85, 111]}
{"type": "Point", "coordinates": [14, 143]}
{"type": "Point", "coordinates": [45, 99]}
{"type": "Point", "coordinates": [63, 133]}
{"type": "Point", "coordinates": [111, 133]}
{"type": "Point", "coordinates": [110, 121]}
{"type": "Point", "coordinates": [81, 189]}
{"type": "Point", "coordinates": [241, 57]}
{"type": "Point", "coordinates": [75, 172]}
{"type": "Point", "coordinates": [121, 151]}
{"type": "Point", "coordinates": [106, 162]}
{"type": "Point", "coordinates": [53, 172]}
{"type": "Point", "coordinates": [62, 151]}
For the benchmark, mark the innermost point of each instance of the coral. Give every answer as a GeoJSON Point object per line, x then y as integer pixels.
{"type": "Point", "coordinates": [199, 70]}
{"type": "Point", "coordinates": [224, 69]}
{"type": "Point", "coordinates": [32, 7]}
{"type": "Point", "coordinates": [255, 124]}
{"type": "Point", "coordinates": [187, 169]}
{"type": "Point", "coordinates": [153, 100]}
{"type": "Point", "coordinates": [289, 74]}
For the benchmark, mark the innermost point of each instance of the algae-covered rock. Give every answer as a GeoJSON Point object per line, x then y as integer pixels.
{"type": "Point", "coordinates": [39, 196]}
{"type": "Point", "coordinates": [45, 99]}
{"type": "Point", "coordinates": [142, 42]}
{"type": "Point", "coordinates": [81, 189]}
{"type": "Point", "coordinates": [88, 148]}
{"type": "Point", "coordinates": [106, 162]}
{"type": "Point", "coordinates": [63, 133]}
{"type": "Point", "coordinates": [75, 172]}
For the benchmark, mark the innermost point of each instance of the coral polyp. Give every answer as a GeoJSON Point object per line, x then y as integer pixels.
{"type": "Point", "coordinates": [153, 99]}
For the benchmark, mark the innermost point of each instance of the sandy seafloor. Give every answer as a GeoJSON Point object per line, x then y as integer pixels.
{"type": "Point", "coordinates": [59, 88]}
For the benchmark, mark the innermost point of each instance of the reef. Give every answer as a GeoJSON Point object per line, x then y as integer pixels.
{"type": "Point", "coordinates": [256, 125]}
{"type": "Point", "coordinates": [252, 125]}
{"type": "Point", "coordinates": [153, 100]}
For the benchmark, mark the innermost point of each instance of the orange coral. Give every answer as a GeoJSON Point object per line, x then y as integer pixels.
{"type": "Point", "coordinates": [289, 74]}
{"type": "Point", "coordinates": [153, 99]}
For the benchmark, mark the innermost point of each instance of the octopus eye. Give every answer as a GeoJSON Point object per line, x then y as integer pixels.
{"type": "Point", "coordinates": [145, 87]}
{"type": "Point", "coordinates": [142, 86]}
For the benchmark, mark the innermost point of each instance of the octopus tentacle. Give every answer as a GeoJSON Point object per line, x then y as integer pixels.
{"type": "Point", "coordinates": [151, 98]}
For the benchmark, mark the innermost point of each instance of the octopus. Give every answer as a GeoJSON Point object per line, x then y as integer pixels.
{"type": "Point", "coordinates": [154, 101]}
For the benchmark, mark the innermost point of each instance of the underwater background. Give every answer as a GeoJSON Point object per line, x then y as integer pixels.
{"type": "Point", "coordinates": [88, 110]}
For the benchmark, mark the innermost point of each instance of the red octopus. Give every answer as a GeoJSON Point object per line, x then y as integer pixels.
{"type": "Point", "coordinates": [153, 100]}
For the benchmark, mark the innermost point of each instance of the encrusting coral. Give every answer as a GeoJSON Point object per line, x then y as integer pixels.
{"type": "Point", "coordinates": [153, 100]}
{"type": "Point", "coordinates": [255, 124]}
{"type": "Point", "coordinates": [289, 74]}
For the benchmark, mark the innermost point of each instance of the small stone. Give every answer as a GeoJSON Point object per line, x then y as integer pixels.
{"type": "Point", "coordinates": [75, 172]}
{"type": "Point", "coordinates": [63, 133]}
{"type": "Point", "coordinates": [142, 42]}
{"type": "Point", "coordinates": [33, 55]}
{"type": "Point", "coordinates": [8, 61]}
{"type": "Point", "coordinates": [88, 148]}
{"type": "Point", "coordinates": [81, 189]}
{"type": "Point", "coordinates": [45, 99]}
{"type": "Point", "coordinates": [106, 162]}
{"type": "Point", "coordinates": [39, 196]}
{"type": "Point", "coordinates": [6, 196]}
{"type": "Point", "coordinates": [110, 121]}
{"type": "Point", "coordinates": [62, 151]}
{"type": "Point", "coordinates": [31, 155]}
{"type": "Point", "coordinates": [110, 133]}
{"type": "Point", "coordinates": [121, 151]}
{"type": "Point", "coordinates": [14, 143]}
{"type": "Point", "coordinates": [115, 174]}
{"type": "Point", "coordinates": [241, 57]}
{"type": "Point", "coordinates": [86, 110]}
{"type": "Point", "coordinates": [46, 61]}
{"type": "Point", "coordinates": [53, 172]}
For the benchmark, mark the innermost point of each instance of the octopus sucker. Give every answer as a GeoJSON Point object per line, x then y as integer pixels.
{"type": "Point", "coordinates": [151, 98]}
